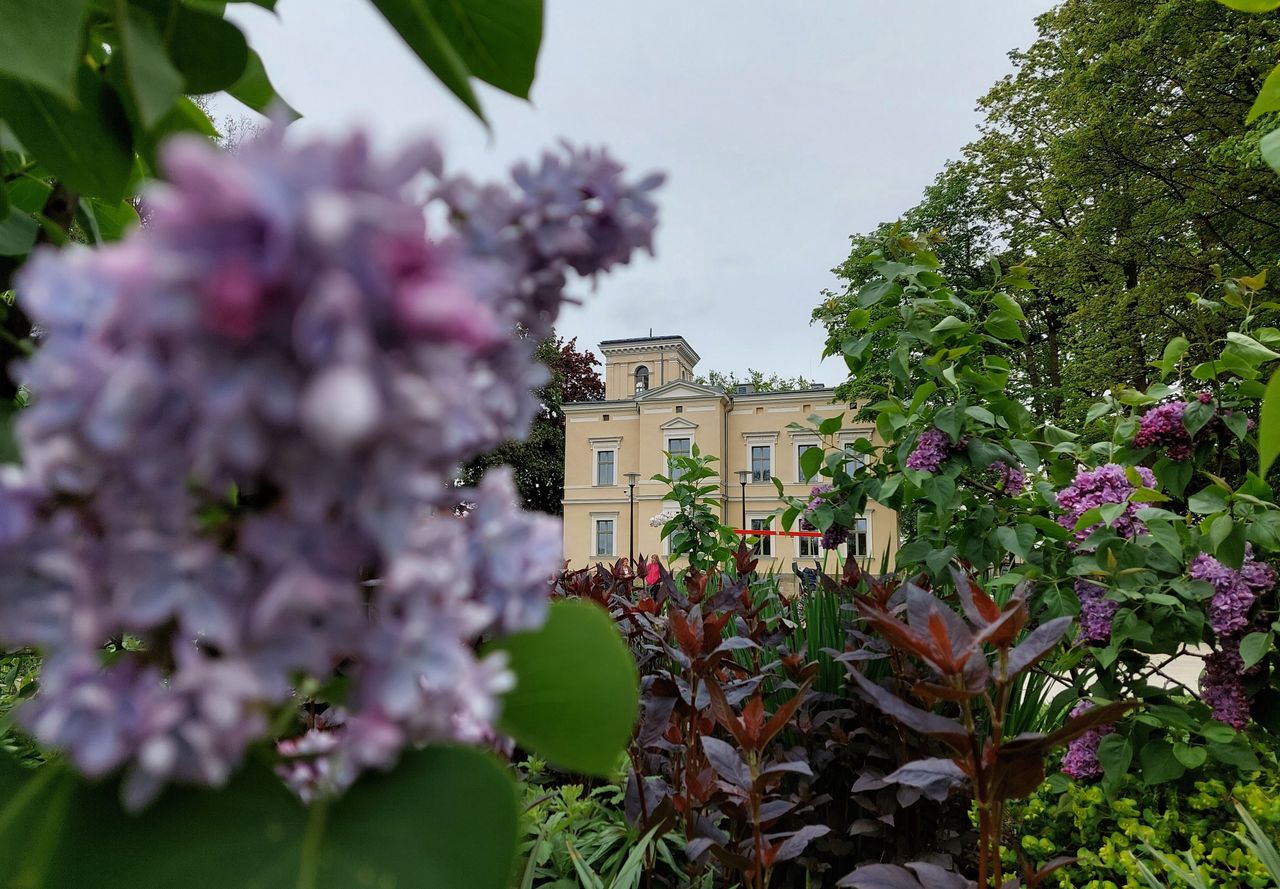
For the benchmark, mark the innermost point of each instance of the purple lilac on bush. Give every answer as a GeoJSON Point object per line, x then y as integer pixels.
{"type": "Point", "coordinates": [1096, 612]}
{"type": "Point", "coordinates": [932, 447]}
{"type": "Point", "coordinates": [1012, 479]}
{"type": "Point", "coordinates": [1098, 487]}
{"type": "Point", "coordinates": [1234, 592]}
{"type": "Point", "coordinates": [285, 325]}
{"type": "Point", "coordinates": [1081, 760]}
{"type": "Point", "coordinates": [1222, 687]}
{"type": "Point", "coordinates": [835, 535]}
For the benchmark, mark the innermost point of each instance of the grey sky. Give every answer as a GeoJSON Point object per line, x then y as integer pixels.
{"type": "Point", "coordinates": [783, 127]}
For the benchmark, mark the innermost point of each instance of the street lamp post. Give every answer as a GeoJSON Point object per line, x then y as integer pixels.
{"type": "Point", "coordinates": [631, 525]}
{"type": "Point", "coordinates": [743, 475]}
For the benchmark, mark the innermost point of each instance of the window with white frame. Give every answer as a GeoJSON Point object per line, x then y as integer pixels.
{"type": "Point", "coordinates": [800, 449]}
{"type": "Point", "coordinates": [678, 447]}
{"type": "Point", "coordinates": [809, 547]}
{"type": "Point", "coordinates": [860, 539]}
{"type": "Point", "coordinates": [764, 545]}
{"type": "Point", "coordinates": [605, 467]}
{"type": "Point", "coordinates": [761, 463]}
{"type": "Point", "coordinates": [642, 379]}
{"type": "Point", "coordinates": [603, 542]}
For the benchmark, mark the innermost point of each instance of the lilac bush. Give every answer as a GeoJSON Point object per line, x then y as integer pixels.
{"type": "Point", "coordinates": [1096, 612]}
{"type": "Point", "coordinates": [932, 448]}
{"type": "Point", "coordinates": [1099, 487]}
{"type": "Point", "coordinates": [240, 453]}
{"type": "Point", "coordinates": [1081, 760]}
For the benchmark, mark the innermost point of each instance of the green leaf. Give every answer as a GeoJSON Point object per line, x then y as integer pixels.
{"type": "Point", "coordinates": [17, 232]}
{"type": "Point", "coordinates": [1003, 326]}
{"type": "Point", "coordinates": [1159, 763]}
{"type": "Point", "coordinates": [1191, 757]}
{"type": "Point", "coordinates": [209, 51]}
{"type": "Point", "coordinates": [1268, 97]}
{"type": "Point", "coordinates": [498, 40]}
{"type": "Point", "coordinates": [1173, 352]}
{"type": "Point", "coordinates": [1269, 145]}
{"type": "Point", "coordinates": [1236, 753]}
{"type": "Point", "coordinates": [1196, 415]}
{"type": "Point", "coordinates": [576, 693]}
{"type": "Point", "coordinates": [1252, 5]}
{"type": "Point", "coordinates": [831, 425]}
{"type": "Point", "coordinates": [1115, 753]}
{"type": "Point", "coordinates": [254, 89]}
{"type": "Point", "coordinates": [1208, 500]}
{"type": "Point", "coordinates": [417, 25]}
{"type": "Point", "coordinates": [811, 461]}
{"type": "Point", "coordinates": [1018, 540]}
{"type": "Point", "coordinates": [1249, 348]}
{"type": "Point", "coordinates": [444, 817]}
{"type": "Point", "coordinates": [153, 81]}
{"type": "Point", "coordinates": [1009, 305]}
{"type": "Point", "coordinates": [40, 43]}
{"type": "Point", "coordinates": [88, 146]}
{"type": "Point", "coordinates": [1254, 647]}
{"type": "Point", "coordinates": [1269, 425]}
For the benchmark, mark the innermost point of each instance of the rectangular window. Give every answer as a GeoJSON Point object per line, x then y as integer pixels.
{"type": "Point", "coordinates": [604, 467]}
{"type": "Point", "coordinates": [854, 459]}
{"type": "Point", "coordinates": [807, 547]}
{"type": "Point", "coordinates": [604, 537]}
{"type": "Point", "coordinates": [800, 449]}
{"type": "Point", "coordinates": [859, 540]}
{"type": "Point", "coordinates": [678, 447]}
{"type": "Point", "coordinates": [761, 471]}
{"type": "Point", "coordinates": [763, 546]}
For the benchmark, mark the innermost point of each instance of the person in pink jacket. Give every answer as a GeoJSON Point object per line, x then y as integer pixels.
{"type": "Point", "coordinates": [652, 574]}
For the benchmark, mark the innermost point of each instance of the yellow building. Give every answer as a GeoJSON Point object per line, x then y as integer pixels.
{"type": "Point", "coordinates": [652, 406]}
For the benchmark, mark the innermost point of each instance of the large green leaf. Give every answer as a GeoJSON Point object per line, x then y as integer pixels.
{"type": "Point", "coordinates": [40, 43]}
{"type": "Point", "coordinates": [1252, 5]}
{"type": "Point", "coordinates": [445, 817]}
{"type": "Point", "coordinates": [498, 40]}
{"type": "Point", "coordinates": [254, 89]}
{"type": "Point", "coordinates": [88, 146]}
{"type": "Point", "coordinates": [153, 82]}
{"type": "Point", "coordinates": [417, 25]}
{"type": "Point", "coordinates": [576, 694]}
{"type": "Point", "coordinates": [17, 232]}
{"type": "Point", "coordinates": [1269, 426]}
{"type": "Point", "coordinates": [210, 52]}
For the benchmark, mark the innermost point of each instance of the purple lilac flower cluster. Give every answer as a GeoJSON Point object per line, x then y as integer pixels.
{"type": "Point", "coordinates": [1098, 487]}
{"type": "Point", "coordinates": [835, 535]}
{"type": "Point", "coordinates": [1011, 479]}
{"type": "Point", "coordinates": [932, 448]}
{"type": "Point", "coordinates": [1163, 426]}
{"type": "Point", "coordinates": [285, 343]}
{"type": "Point", "coordinates": [1222, 689]}
{"type": "Point", "coordinates": [1081, 760]}
{"type": "Point", "coordinates": [1234, 593]}
{"type": "Point", "coordinates": [1096, 612]}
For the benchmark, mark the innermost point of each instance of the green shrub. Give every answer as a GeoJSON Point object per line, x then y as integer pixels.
{"type": "Point", "coordinates": [1191, 815]}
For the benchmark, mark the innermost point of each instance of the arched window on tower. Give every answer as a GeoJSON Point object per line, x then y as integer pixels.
{"type": "Point", "coordinates": [642, 379]}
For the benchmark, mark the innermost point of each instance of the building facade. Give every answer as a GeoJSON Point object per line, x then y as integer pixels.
{"type": "Point", "coordinates": [652, 407]}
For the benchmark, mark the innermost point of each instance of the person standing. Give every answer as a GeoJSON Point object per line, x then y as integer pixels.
{"type": "Point", "coordinates": [652, 575]}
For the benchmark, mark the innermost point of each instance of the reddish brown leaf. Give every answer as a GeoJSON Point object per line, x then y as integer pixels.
{"type": "Point", "coordinates": [782, 716]}
{"type": "Point", "coordinates": [725, 716]}
{"type": "Point", "coordinates": [948, 731]}
{"type": "Point", "coordinates": [980, 608]}
{"type": "Point", "coordinates": [753, 722]}
{"type": "Point", "coordinates": [1038, 643]}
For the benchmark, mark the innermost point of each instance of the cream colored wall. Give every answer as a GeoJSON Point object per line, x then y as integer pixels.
{"type": "Point", "coordinates": [717, 425]}
{"type": "Point", "coordinates": [665, 365]}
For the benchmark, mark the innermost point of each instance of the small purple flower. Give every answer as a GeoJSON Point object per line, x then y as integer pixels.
{"type": "Point", "coordinates": [835, 535]}
{"type": "Point", "coordinates": [1099, 487]}
{"type": "Point", "coordinates": [1011, 479]}
{"type": "Point", "coordinates": [932, 448]}
{"type": "Point", "coordinates": [1162, 426]}
{"type": "Point", "coordinates": [1222, 687]}
{"type": "Point", "coordinates": [1234, 592]}
{"type": "Point", "coordinates": [1081, 760]}
{"type": "Point", "coordinates": [1096, 612]}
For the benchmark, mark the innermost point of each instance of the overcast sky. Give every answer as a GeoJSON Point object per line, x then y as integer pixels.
{"type": "Point", "coordinates": [784, 127]}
